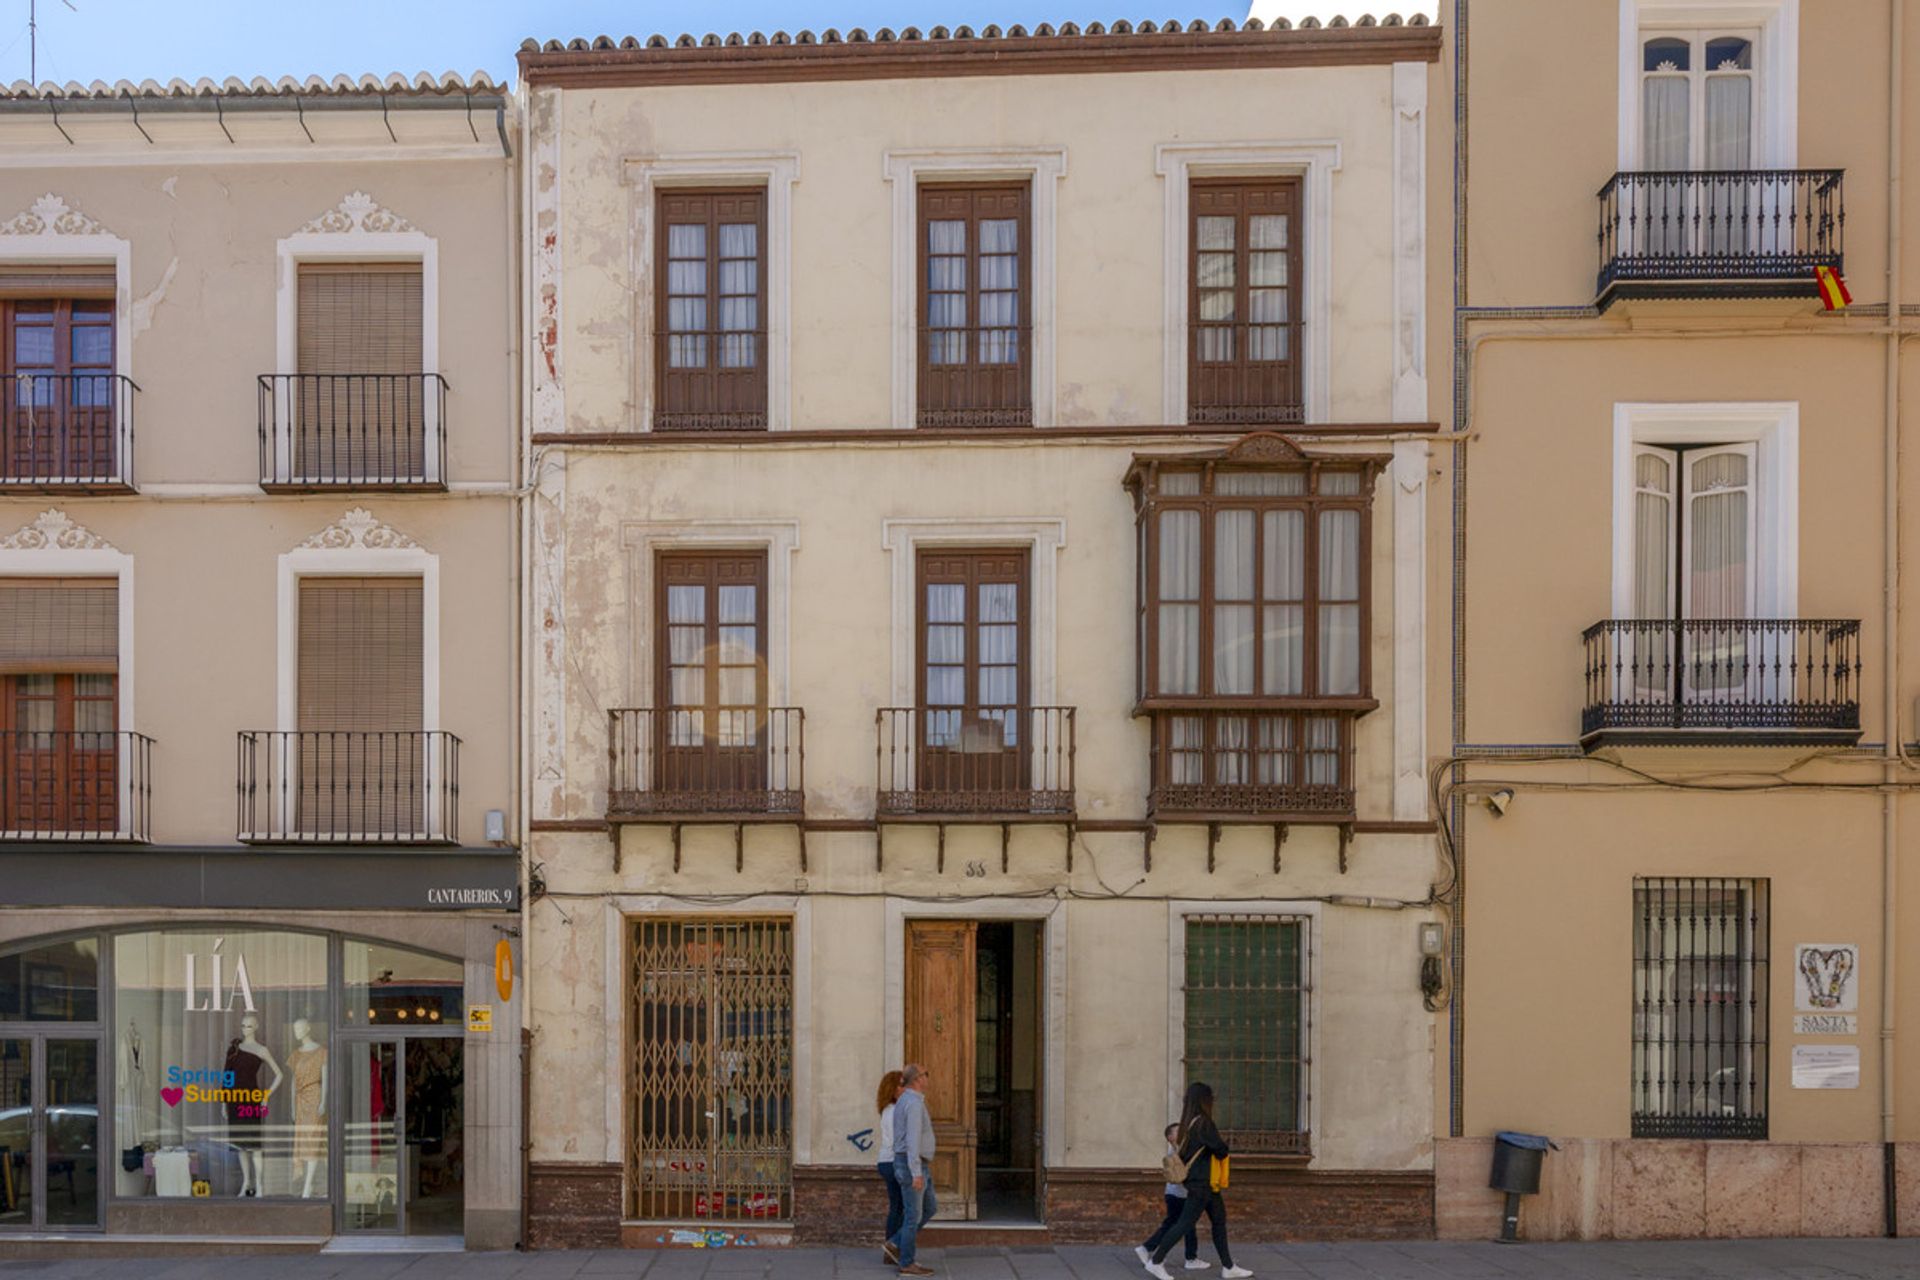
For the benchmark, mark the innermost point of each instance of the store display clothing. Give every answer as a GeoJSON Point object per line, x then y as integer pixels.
{"type": "Point", "coordinates": [309, 1074]}
{"type": "Point", "coordinates": [244, 1119]}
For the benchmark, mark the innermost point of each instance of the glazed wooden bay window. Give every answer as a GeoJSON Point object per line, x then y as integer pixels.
{"type": "Point", "coordinates": [975, 306]}
{"type": "Point", "coordinates": [1252, 626]}
{"type": "Point", "coordinates": [1243, 280]}
{"type": "Point", "coordinates": [1248, 993]}
{"type": "Point", "coordinates": [710, 307]}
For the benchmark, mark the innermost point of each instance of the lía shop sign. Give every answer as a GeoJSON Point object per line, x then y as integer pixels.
{"type": "Point", "coordinates": [219, 996]}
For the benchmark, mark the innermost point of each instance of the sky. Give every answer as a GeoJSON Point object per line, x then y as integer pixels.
{"type": "Point", "coordinates": [110, 40]}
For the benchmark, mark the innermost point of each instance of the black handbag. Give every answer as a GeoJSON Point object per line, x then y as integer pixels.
{"type": "Point", "coordinates": [133, 1159]}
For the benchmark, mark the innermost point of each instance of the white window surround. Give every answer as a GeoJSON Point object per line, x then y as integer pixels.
{"type": "Point", "coordinates": [52, 546]}
{"type": "Point", "coordinates": [1043, 537]}
{"type": "Point", "coordinates": [1053, 1000]}
{"type": "Point", "coordinates": [357, 230]}
{"type": "Point", "coordinates": [1177, 912]}
{"type": "Point", "coordinates": [1043, 167]}
{"type": "Point", "coordinates": [51, 232]}
{"type": "Point", "coordinates": [1775, 428]}
{"type": "Point", "coordinates": [1777, 61]}
{"type": "Point", "coordinates": [1315, 161]}
{"type": "Point", "coordinates": [644, 540]}
{"type": "Point", "coordinates": [777, 171]}
{"type": "Point", "coordinates": [358, 546]}
{"type": "Point", "coordinates": [625, 907]}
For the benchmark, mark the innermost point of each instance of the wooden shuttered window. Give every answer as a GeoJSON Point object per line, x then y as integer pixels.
{"type": "Point", "coordinates": [37, 280]}
{"type": "Point", "coordinates": [975, 306]}
{"type": "Point", "coordinates": [360, 317]}
{"type": "Point", "coordinates": [710, 310]}
{"type": "Point", "coordinates": [363, 760]}
{"type": "Point", "coordinates": [59, 625]}
{"type": "Point", "coordinates": [358, 407]}
{"type": "Point", "coordinates": [1243, 302]}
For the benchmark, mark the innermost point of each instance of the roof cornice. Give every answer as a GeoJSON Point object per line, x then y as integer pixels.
{"type": "Point", "coordinates": [1045, 50]}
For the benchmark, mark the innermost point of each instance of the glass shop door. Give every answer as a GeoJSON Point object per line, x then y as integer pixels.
{"type": "Point", "coordinates": [49, 1132]}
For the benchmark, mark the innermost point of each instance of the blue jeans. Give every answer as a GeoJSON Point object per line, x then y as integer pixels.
{"type": "Point", "coordinates": [917, 1207]}
{"type": "Point", "coordinates": [894, 1203]}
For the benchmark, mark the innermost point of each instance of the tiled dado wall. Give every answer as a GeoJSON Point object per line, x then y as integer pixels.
{"type": "Point", "coordinates": [1613, 1189]}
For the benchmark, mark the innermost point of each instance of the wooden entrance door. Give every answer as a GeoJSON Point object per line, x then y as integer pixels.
{"type": "Point", "coordinates": [940, 1037]}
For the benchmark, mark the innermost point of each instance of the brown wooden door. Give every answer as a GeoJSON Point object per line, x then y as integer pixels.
{"type": "Point", "coordinates": [973, 678]}
{"type": "Point", "coordinates": [1040, 1117]}
{"type": "Point", "coordinates": [940, 1014]}
{"type": "Point", "coordinates": [712, 678]}
{"type": "Point", "coordinates": [59, 400]}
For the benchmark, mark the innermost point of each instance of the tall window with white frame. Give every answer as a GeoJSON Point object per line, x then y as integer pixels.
{"type": "Point", "coordinates": [710, 306]}
{"type": "Point", "coordinates": [1700, 1010]}
{"type": "Point", "coordinates": [1249, 988]}
{"type": "Point", "coordinates": [60, 767]}
{"type": "Point", "coordinates": [1698, 94]}
{"type": "Point", "coordinates": [1243, 343]}
{"type": "Point", "coordinates": [62, 407]}
{"type": "Point", "coordinates": [976, 304]}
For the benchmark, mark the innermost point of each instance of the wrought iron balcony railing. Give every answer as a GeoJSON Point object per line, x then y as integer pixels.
{"type": "Point", "coordinates": [1744, 680]}
{"type": "Point", "coordinates": [326, 431]}
{"type": "Point", "coordinates": [1719, 233]}
{"type": "Point", "coordinates": [75, 786]}
{"type": "Point", "coordinates": [1253, 765]}
{"type": "Point", "coordinates": [683, 762]}
{"type": "Point", "coordinates": [949, 763]}
{"type": "Point", "coordinates": [349, 787]}
{"type": "Point", "coordinates": [66, 431]}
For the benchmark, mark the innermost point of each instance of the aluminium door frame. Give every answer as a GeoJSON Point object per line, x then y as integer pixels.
{"type": "Point", "coordinates": [36, 1035]}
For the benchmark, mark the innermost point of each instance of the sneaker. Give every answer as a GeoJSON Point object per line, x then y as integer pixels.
{"type": "Point", "coordinates": [890, 1254]}
{"type": "Point", "coordinates": [1198, 1264]}
{"type": "Point", "coordinates": [915, 1269]}
{"type": "Point", "coordinates": [1236, 1273]}
{"type": "Point", "coordinates": [1140, 1252]}
{"type": "Point", "coordinates": [1157, 1271]}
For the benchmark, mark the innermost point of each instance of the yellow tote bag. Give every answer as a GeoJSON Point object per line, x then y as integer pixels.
{"type": "Point", "coordinates": [1217, 1176]}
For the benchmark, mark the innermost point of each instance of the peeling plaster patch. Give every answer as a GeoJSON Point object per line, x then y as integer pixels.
{"type": "Point", "coordinates": [143, 308]}
{"type": "Point", "coordinates": [169, 185]}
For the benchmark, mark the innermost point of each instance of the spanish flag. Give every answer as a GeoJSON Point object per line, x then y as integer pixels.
{"type": "Point", "coordinates": [1833, 290]}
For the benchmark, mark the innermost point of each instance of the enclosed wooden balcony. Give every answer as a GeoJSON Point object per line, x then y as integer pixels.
{"type": "Point", "coordinates": [351, 787]}
{"type": "Point", "coordinates": [1729, 233]}
{"type": "Point", "coordinates": [75, 786]}
{"type": "Point", "coordinates": [1745, 681]}
{"type": "Point", "coordinates": [70, 432]}
{"type": "Point", "coordinates": [323, 432]}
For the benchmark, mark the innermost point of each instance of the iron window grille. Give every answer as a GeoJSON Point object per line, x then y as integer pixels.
{"type": "Point", "coordinates": [1248, 996]}
{"type": "Point", "coordinates": [1700, 1008]}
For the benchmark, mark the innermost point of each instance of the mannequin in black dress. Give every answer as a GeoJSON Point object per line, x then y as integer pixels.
{"type": "Point", "coordinates": [246, 1056]}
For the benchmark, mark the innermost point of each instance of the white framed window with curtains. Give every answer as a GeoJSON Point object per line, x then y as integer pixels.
{"type": "Point", "coordinates": [1708, 84]}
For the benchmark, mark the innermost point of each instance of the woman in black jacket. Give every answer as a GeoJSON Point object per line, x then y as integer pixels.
{"type": "Point", "coordinates": [1200, 1144]}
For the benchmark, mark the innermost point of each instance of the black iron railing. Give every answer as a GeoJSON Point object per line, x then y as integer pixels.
{"type": "Point", "coordinates": [933, 761]}
{"type": "Point", "coordinates": [690, 761]}
{"type": "Point", "coordinates": [353, 431]}
{"type": "Point", "coordinates": [1746, 678]}
{"type": "Point", "coordinates": [349, 787]}
{"type": "Point", "coordinates": [76, 785]}
{"type": "Point", "coordinates": [1252, 764]}
{"type": "Point", "coordinates": [1748, 232]}
{"type": "Point", "coordinates": [66, 430]}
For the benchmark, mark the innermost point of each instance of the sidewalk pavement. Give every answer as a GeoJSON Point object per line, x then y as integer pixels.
{"type": "Point", "coordinates": [1650, 1260]}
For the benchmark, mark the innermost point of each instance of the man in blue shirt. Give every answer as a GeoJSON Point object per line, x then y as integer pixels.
{"type": "Point", "coordinates": [913, 1146]}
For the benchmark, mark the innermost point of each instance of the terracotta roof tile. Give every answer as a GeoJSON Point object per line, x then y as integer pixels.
{"type": "Point", "coordinates": [424, 84]}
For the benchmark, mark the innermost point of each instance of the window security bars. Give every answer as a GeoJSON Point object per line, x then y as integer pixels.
{"type": "Point", "coordinates": [1700, 1008]}
{"type": "Point", "coordinates": [671, 761]}
{"type": "Point", "coordinates": [1248, 991]}
{"type": "Point", "coordinates": [66, 430]}
{"type": "Point", "coordinates": [709, 1116]}
{"type": "Point", "coordinates": [947, 760]}
{"type": "Point", "coordinates": [1764, 677]}
{"type": "Point", "coordinates": [1724, 232]}
{"type": "Point", "coordinates": [353, 431]}
{"type": "Point", "coordinates": [68, 785]}
{"type": "Point", "coordinates": [349, 787]}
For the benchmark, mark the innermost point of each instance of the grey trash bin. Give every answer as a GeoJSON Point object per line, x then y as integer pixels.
{"type": "Point", "coordinates": [1516, 1171]}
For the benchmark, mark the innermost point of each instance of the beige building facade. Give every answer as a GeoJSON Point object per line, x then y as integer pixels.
{"type": "Point", "coordinates": [1677, 766]}
{"type": "Point", "coordinates": [257, 645]}
{"type": "Point", "coordinates": [978, 566]}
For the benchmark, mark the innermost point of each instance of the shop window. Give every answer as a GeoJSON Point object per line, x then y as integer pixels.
{"type": "Point", "coordinates": [221, 1052]}
{"type": "Point", "coordinates": [390, 986]}
{"type": "Point", "coordinates": [1247, 1019]}
{"type": "Point", "coordinates": [53, 982]}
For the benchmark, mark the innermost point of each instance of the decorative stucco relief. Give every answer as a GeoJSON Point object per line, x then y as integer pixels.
{"type": "Point", "coordinates": [51, 215]}
{"type": "Point", "coordinates": [358, 214]}
{"type": "Point", "coordinates": [53, 531]}
{"type": "Point", "coordinates": [358, 529]}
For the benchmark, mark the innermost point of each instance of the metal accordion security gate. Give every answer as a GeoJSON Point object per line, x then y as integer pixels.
{"type": "Point", "coordinates": [710, 1072]}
